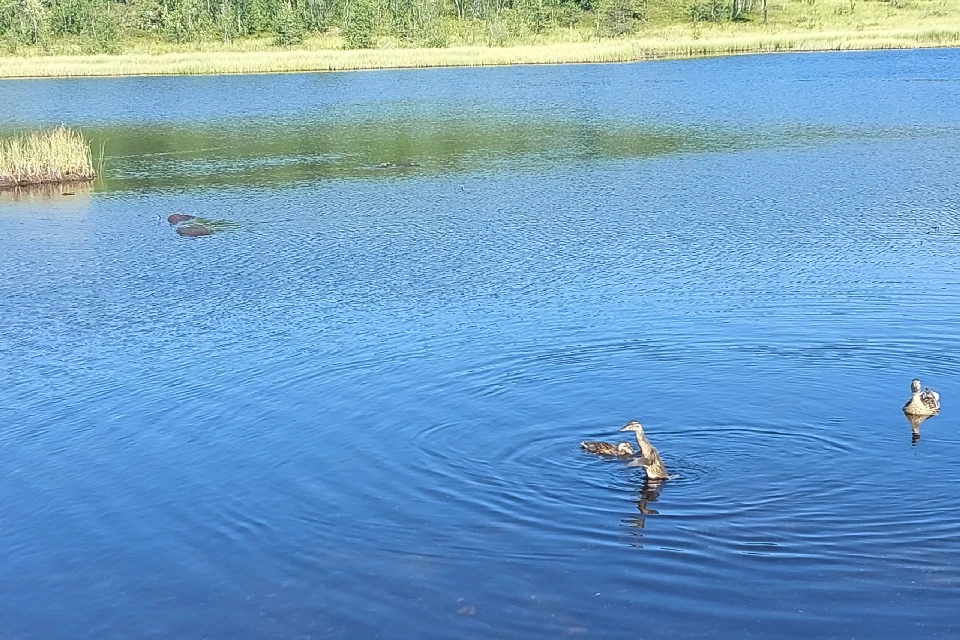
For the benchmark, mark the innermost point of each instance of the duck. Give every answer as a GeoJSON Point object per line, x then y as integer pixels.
{"type": "Point", "coordinates": [653, 464]}
{"type": "Point", "coordinates": [622, 450]}
{"type": "Point", "coordinates": [922, 403]}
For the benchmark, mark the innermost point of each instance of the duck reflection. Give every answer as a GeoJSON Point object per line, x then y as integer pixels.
{"type": "Point", "coordinates": [650, 492]}
{"type": "Point", "coordinates": [915, 422]}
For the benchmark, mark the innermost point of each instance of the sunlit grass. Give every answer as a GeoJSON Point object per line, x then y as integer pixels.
{"type": "Point", "coordinates": [42, 157]}
{"type": "Point", "coordinates": [794, 25]}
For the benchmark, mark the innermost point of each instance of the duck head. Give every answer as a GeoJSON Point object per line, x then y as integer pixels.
{"type": "Point", "coordinates": [624, 449]}
{"type": "Point", "coordinates": [633, 425]}
{"type": "Point", "coordinates": [915, 386]}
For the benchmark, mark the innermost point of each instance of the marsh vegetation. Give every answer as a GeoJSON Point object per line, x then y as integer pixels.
{"type": "Point", "coordinates": [45, 157]}
{"type": "Point", "coordinates": [70, 37]}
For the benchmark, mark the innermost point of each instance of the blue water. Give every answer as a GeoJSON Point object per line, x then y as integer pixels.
{"type": "Point", "coordinates": [355, 413]}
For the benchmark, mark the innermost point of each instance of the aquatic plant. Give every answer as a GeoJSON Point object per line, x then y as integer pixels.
{"type": "Point", "coordinates": [41, 157]}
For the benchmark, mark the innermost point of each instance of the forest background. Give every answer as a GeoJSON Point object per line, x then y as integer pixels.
{"type": "Point", "coordinates": [70, 27]}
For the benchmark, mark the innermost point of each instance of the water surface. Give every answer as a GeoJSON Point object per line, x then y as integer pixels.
{"type": "Point", "coordinates": [355, 413]}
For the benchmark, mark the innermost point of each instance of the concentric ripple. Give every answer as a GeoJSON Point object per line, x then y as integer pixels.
{"type": "Point", "coordinates": [355, 411]}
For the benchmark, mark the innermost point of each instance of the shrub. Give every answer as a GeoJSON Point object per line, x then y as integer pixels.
{"type": "Point", "coordinates": [435, 38]}
{"type": "Point", "coordinates": [102, 33]}
{"type": "Point", "coordinates": [360, 31]}
{"type": "Point", "coordinates": [186, 20]}
{"type": "Point", "coordinates": [23, 22]}
{"type": "Point", "coordinates": [535, 14]}
{"type": "Point", "coordinates": [69, 17]}
{"type": "Point", "coordinates": [709, 11]}
{"type": "Point", "coordinates": [289, 29]}
{"type": "Point", "coordinates": [617, 18]}
{"type": "Point", "coordinates": [148, 14]}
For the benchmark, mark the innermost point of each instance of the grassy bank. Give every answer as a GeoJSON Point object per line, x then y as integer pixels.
{"type": "Point", "coordinates": [45, 157]}
{"type": "Point", "coordinates": [792, 25]}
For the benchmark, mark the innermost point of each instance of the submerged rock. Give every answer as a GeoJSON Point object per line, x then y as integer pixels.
{"type": "Point", "coordinates": [195, 231]}
{"type": "Point", "coordinates": [177, 218]}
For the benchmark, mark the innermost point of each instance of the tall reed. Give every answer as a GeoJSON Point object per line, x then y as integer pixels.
{"type": "Point", "coordinates": [41, 157]}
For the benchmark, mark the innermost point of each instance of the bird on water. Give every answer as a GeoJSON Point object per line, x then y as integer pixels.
{"type": "Point", "coordinates": [607, 449]}
{"type": "Point", "coordinates": [652, 462]}
{"type": "Point", "coordinates": [925, 402]}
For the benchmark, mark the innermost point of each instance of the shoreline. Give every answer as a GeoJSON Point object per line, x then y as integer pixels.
{"type": "Point", "coordinates": [7, 184]}
{"type": "Point", "coordinates": [604, 51]}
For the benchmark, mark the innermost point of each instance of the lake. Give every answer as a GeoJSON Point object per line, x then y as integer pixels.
{"type": "Point", "coordinates": [355, 410]}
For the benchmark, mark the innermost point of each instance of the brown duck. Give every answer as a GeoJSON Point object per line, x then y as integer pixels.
{"type": "Point", "coordinates": [922, 403]}
{"type": "Point", "coordinates": [607, 449]}
{"type": "Point", "coordinates": [652, 462]}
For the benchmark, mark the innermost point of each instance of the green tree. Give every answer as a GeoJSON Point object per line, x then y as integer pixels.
{"type": "Point", "coordinates": [617, 18]}
{"type": "Point", "coordinates": [186, 20]}
{"type": "Point", "coordinates": [258, 15]}
{"type": "Point", "coordinates": [709, 11]}
{"type": "Point", "coordinates": [24, 21]}
{"type": "Point", "coordinates": [360, 31]}
{"type": "Point", "coordinates": [318, 14]}
{"type": "Point", "coordinates": [290, 29]}
{"type": "Point", "coordinates": [101, 31]}
{"type": "Point", "coordinates": [147, 15]}
{"type": "Point", "coordinates": [417, 21]}
{"type": "Point", "coordinates": [69, 17]}
{"type": "Point", "coordinates": [96, 21]}
{"type": "Point", "coordinates": [535, 14]}
{"type": "Point", "coordinates": [227, 21]}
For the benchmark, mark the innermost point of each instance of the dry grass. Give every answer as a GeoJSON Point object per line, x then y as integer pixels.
{"type": "Point", "coordinates": [681, 46]}
{"type": "Point", "coordinates": [45, 157]}
{"type": "Point", "coordinates": [795, 25]}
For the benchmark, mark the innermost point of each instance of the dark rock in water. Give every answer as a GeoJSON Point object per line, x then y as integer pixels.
{"type": "Point", "coordinates": [177, 218]}
{"type": "Point", "coordinates": [195, 231]}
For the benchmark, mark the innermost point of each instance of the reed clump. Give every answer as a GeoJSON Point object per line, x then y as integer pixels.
{"type": "Point", "coordinates": [51, 156]}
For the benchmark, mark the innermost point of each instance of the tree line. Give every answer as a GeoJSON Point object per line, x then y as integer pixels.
{"type": "Point", "coordinates": [103, 26]}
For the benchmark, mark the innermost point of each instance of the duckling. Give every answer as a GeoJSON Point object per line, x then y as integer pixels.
{"type": "Point", "coordinates": [922, 403]}
{"type": "Point", "coordinates": [654, 465]}
{"type": "Point", "coordinates": [606, 449]}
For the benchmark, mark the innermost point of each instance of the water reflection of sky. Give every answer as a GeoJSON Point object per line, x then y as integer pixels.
{"type": "Point", "coordinates": [822, 88]}
{"type": "Point", "coordinates": [356, 412]}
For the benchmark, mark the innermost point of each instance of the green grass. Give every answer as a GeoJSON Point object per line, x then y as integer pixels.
{"type": "Point", "coordinates": [45, 157]}
{"type": "Point", "coordinates": [794, 25]}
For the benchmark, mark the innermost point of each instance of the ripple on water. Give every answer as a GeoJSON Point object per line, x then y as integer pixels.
{"type": "Point", "coordinates": [361, 408]}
